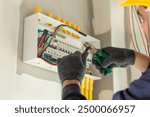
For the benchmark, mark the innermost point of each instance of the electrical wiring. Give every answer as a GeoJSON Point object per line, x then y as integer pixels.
{"type": "Point", "coordinates": [42, 37]}
{"type": "Point", "coordinates": [135, 33]}
{"type": "Point", "coordinates": [51, 39]}
{"type": "Point", "coordinates": [41, 40]}
{"type": "Point", "coordinates": [49, 59]}
{"type": "Point", "coordinates": [133, 8]}
{"type": "Point", "coordinates": [129, 24]}
{"type": "Point", "coordinates": [51, 63]}
{"type": "Point", "coordinates": [40, 52]}
{"type": "Point", "coordinates": [53, 36]}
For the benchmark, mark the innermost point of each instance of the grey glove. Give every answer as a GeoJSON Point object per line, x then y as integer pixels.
{"type": "Point", "coordinates": [117, 57]}
{"type": "Point", "coordinates": [72, 67]}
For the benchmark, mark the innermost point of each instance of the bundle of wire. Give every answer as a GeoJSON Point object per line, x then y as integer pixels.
{"type": "Point", "coordinates": [40, 52]}
{"type": "Point", "coordinates": [53, 36]}
{"type": "Point", "coordinates": [132, 27]}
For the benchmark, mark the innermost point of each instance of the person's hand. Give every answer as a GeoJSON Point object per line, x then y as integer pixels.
{"type": "Point", "coordinates": [117, 57]}
{"type": "Point", "coordinates": [72, 67]}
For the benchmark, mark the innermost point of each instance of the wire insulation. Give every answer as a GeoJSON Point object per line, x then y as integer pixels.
{"type": "Point", "coordinates": [129, 25]}
{"type": "Point", "coordinates": [146, 50]}
{"type": "Point", "coordinates": [136, 42]}
{"type": "Point", "coordinates": [53, 36]}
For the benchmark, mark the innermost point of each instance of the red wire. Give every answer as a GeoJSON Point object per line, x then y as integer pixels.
{"type": "Point", "coordinates": [57, 28]}
{"type": "Point", "coordinates": [129, 24]}
{"type": "Point", "coordinates": [53, 33]}
{"type": "Point", "coordinates": [43, 37]}
{"type": "Point", "coordinates": [140, 30]}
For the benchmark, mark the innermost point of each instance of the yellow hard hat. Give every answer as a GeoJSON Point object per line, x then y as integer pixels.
{"type": "Point", "coordinates": [135, 2]}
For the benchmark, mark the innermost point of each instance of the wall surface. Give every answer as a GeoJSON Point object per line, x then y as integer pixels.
{"type": "Point", "coordinates": [13, 85]}
{"type": "Point", "coordinates": [101, 16]}
{"type": "Point", "coordinates": [101, 29]}
{"type": "Point", "coordinates": [118, 40]}
{"type": "Point", "coordinates": [103, 89]}
{"type": "Point", "coordinates": [9, 18]}
{"type": "Point", "coordinates": [29, 87]}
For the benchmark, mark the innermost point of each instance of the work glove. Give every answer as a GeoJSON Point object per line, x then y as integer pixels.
{"type": "Point", "coordinates": [117, 57]}
{"type": "Point", "coordinates": [72, 67]}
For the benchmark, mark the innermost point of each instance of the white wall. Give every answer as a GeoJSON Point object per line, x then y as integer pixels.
{"type": "Point", "coordinates": [9, 18]}
{"type": "Point", "coordinates": [118, 40]}
{"type": "Point", "coordinates": [103, 89]}
{"type": "Point", "coordinates": [37, 85]}
{"type": "Point", "coordinates": [101, 16]}
{"type": "Point", "coordinates": [29, 87]}
{"type": "Point", "coordinates": [12, 85]}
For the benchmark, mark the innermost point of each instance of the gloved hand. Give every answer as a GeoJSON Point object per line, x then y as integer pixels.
{"type": "Point", "coordinates": [72, 67]}
{"type": "Point", "coordinates": [117, 57]}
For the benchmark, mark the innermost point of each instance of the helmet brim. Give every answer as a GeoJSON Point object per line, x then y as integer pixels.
{"type": "Point", "coordinates": [131, 3]}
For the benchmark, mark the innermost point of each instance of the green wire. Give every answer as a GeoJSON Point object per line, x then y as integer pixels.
{"type": "Point", "coordinates": [134, 33]}
{"type": "Point", "coordinates": [49, 60]}
{"type": "Point", "coordinates": [148, 49]}
{"type": "Point", "coordinates": [50, 40]}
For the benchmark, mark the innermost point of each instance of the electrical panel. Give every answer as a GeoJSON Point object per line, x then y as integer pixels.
{"type": "Point", "coordinates": [43, 44]}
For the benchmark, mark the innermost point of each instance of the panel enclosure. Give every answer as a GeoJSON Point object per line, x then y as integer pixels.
{"type": "Point", "coordinates": [66, 41]}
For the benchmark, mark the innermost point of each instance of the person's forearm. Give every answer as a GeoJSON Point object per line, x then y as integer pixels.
{"type": "Point", "coordinates": [141, 62]}
{"type": "Point", "coordinates": [67, 82]}
{"type": "Point", "coordinates": [71, 90]}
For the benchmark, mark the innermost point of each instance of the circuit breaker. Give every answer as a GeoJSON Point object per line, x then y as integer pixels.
{"type": "Point", "coordinates": [46, 39]}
